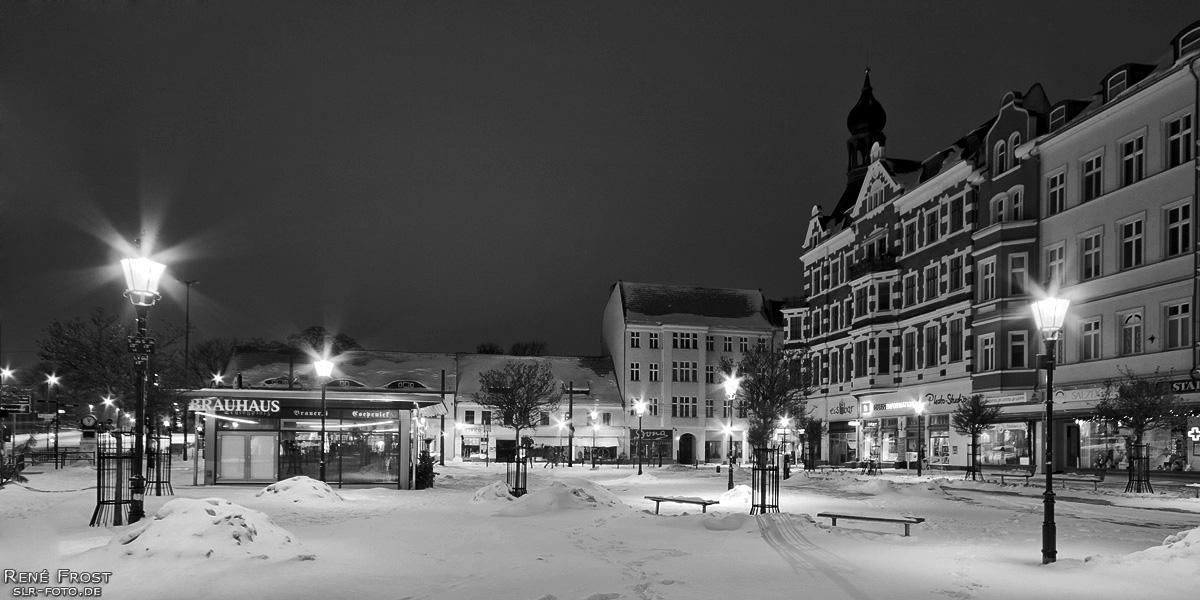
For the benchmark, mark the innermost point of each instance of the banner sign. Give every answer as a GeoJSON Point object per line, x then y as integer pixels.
{"type": "Point", "coordinates": [650, 434]}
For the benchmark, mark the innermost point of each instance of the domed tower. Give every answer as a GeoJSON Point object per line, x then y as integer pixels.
{"type": "Point", "coordinates": [865, 122]}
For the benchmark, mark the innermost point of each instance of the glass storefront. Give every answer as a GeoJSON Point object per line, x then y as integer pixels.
{"type": "Point", "coordinates": [1005, 445]}
{"type": "Point", "coordinates": [843, 443]}
{"type": "Point", "coordinates": [1105, 446]}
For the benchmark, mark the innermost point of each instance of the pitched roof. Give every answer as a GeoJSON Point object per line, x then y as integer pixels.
{"type": "Point", "coordinates": [371, 369]}
{"type": "Point", "coordinates": [650, 303]}
{"type": "Point", "coordinates": [592, 373]}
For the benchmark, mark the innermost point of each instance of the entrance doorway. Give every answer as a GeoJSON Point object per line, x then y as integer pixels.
{"type": "Point", "coordinates": [687, 449]}
{"type": "Point", "coordinates": [247, 456]}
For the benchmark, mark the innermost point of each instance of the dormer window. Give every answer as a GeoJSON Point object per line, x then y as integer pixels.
{"type": "Point", "coordinates": [1116, 85]}
{"type": "Point", "coordinates": [1058, 118]}
{"type": "Point", "coordinates": [1188, 41]}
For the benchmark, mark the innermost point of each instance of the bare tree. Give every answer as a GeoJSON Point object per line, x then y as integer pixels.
{"type": "Point", "coordinates": [322, 341]}
{"type": "Point", "coordinates": [775, 383]}
{"type": "Point", "coordinates": [1140, 403]}
{"type": "Point", "coordinates": [534, 348]}
{"type": "Point", "coordinates": [211, 357]}
{"type": "Point", "coordinates": [489, 348]}
{"type": "Point", "coordinates": [519, 393]}
{"type": "Point", "coordinates": [972, 418]}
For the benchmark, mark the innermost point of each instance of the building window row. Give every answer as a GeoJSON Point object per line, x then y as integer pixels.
{"type": "Point", "coordinates": [685, 341]}
{"type": "Point", "coordinates": [1131, 334]}
{"type": "Point", "coordinates": [683, 407]}
{"type": "Point", "coordinates": [683, 370]}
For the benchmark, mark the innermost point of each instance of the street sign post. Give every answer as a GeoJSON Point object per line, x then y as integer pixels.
{"type": "Point", "coordinates": [140, 345]}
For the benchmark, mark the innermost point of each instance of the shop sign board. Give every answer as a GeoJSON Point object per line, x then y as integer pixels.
{"type": "Point", "coordinates": [650, 434]}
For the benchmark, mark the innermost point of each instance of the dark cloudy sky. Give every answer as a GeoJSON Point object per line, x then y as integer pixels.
{"type": "Point", "coordinates": [426, 176]}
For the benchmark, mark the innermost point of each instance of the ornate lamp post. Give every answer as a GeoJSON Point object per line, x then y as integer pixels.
{"type": "Point", "coordinates": [1049, 314]}
{"type": "Point", "coordinates": [640, 407]}
{"type": "Point", "coordinates": [324, 371]}
{"type": "Point", "coordinates": [187, 363]}
{"type": "Point", "coordinates": [141, 287]}
{"type": "Point", "coordinates": [920, 408]}
{"type": "Point", "coordinates": [595, 425]}
{"type": "Point", "coordinates": [732, 383]}
{"type": "Point", "coordinates": [51, 382]}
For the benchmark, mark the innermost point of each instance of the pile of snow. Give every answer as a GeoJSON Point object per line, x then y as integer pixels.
{"type": "Point", "coordinates": [497, 491]}
{"type": "Point", "coordinates": [874, 486]}
{"type": "Point", "coordinates": [562, 496]}
{"type": "Point", "coordinates": [1183, 546]}
{"type": "Point", "coordinates": [740, 494]}
{"type": "Point", "coordinates": [635, 479]}
{"type": "Point", "coordinates": [300, 489]}
{"type": "Point", "coordinates": [210, 528]}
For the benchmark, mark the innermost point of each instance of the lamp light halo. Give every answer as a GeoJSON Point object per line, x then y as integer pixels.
{"type": "Point", "coordinates": [324, 368]}
{"type": "Point", "coordinates": [1049, 315]}
{"type": "Point", "coordinates": [142, 277]}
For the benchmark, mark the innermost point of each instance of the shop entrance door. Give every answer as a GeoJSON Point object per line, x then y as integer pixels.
{"type": "Point", "coordinates": [1072, 446]}
{"type": "Point", "coordinates": [247, 456]}
{"type": "Point", "coordinates": [687, 449]}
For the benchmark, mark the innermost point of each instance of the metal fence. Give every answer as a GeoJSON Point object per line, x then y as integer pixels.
{"type": "Point", "coordinates": [158, 466]}
{"type": "Point", "coordinates": [114, 467]}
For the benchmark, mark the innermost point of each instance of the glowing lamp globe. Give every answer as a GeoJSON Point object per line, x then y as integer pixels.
{"type": "Point", "coordinates": [142, 276]}
{"type": "Point", "coordinates": [1049, 314]}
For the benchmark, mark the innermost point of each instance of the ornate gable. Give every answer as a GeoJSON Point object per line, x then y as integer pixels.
{"type": "Point", "coordinates": [816, 229]}
{"type": "Point", "coordinates": [878, 188]}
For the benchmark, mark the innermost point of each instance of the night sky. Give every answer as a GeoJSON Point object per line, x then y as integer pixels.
{"type": "Point", "coordinates": [427, 176]}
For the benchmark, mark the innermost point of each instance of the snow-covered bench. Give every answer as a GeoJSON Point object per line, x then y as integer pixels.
{"type": "Point", "coordinates": [906, 521]}
{"type": "Point", "coordinates": [704, 504]}
{"type": "Point", "coordinates": [1095, 480]}
{"type": "Point", "coordinates": [1195, 486]}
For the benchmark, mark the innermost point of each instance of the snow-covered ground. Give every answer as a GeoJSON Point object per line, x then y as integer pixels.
{"type": "Point", "coordinates": [591, 534]}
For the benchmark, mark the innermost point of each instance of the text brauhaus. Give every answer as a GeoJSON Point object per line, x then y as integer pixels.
{"type": "Point", "coordinates": [229, 405]}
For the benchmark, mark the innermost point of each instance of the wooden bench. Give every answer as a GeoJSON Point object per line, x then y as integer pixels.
{"type": "Point", "coordinates": [823, 465]}
{"type": "Point", "coordinates": [906, 521]}
{"type": "Point", "coordinates": [701, 502]}
{"type": "Point", "coordinates": [1022, 474]}
{"type": "Point", "coordinates": [1196, 486]}
{"type": "Point", "coordinates": [63, 457]}
{"type": "Point", "coordinates": [1095, 480]}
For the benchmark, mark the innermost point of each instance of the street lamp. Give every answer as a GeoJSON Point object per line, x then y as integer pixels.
{"type": "Point", "coordinates": [141, 287]}
{"type": "Point", "coordinates": [784, 422]}
{"type": "Point", "coordinates": [324, 371]}
{"type": "Point", "coordinates": [595, 425]}
{"type": "Point", "coordinates": [187, 363]}
{"type": "Point", "coordinates": [731, 391]}
{"type": "Point", "coordinates": [920, 407]}
{"type": "Point", "coordinates": [1049, 315]}
{"type": "Point", "coordinates": [640, 407]}
{"type": "Point", "coordinates": [51, 381]}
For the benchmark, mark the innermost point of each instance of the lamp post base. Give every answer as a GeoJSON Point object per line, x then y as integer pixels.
{"type": "Point", "coordinates": [1049, 530]}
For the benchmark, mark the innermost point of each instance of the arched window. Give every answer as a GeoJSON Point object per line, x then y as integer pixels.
{"type": "Point", "coordinates": [1001, 159]}
{"type": "Point", "coordinates": [1013, 142]}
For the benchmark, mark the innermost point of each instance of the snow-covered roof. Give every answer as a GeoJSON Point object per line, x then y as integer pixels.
{"type": "Point", "coordinates": [371, 369]}
{"type": "Point", "coordinates": [660, 304]}
{"type": "Point", "coordinates": [592, 374]}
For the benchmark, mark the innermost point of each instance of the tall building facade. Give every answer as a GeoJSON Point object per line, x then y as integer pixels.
{"type": "Point", "coordinates": [666, 343]}
{"type": "Point", "coordinates": [918, 283]}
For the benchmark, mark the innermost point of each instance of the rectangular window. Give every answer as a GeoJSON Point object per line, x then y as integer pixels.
{"type": "Point", "coordinates": [883, 355]}
{"type": "Point", "coordinates": [910, 237]}
{"type": "Point", "coordinates": [1132, 244]}
{"type": "Point", "coordinates": [910, 351]}
{"type": "Point", "coordinates": [710, 374]}
{"type": "Point", "coordinates": [1093, 180]}
{"type": "Point", "coordinates": [486, 417]}
{"type": "Point", "coordinates": [1131, 333]}
{"type": "Point", "coordinates": [860, 301]}
{"type": "Point", "coordinates": [675, 340]}
{"type": "Point", "coordinates": [956, 214]}
{"type": "Point", "coordinates": [635, 339]}
{"type": "Point", "coordinates": [1091, 340]}
{"type": "Point", "coordinates": [605, 418]}
{"type": "Point", "coordinates": [910, 290]}
{"type": "Point", "coordinates": [709, 409]}
{"type": "Point", "coordinates": [931, 227]}
{"type": "Point", "coordinates": [1017, 350]}
{"type": "Point", "coordinates": [708, 343]}
{"type": "Point", "coordinates": [987, 352]}
{"type": "Point", "coordinates": [1016, 274]}
{"type": "Point", "coordinates": [1133, 160]}
{"type": "Point", "coordinates": [956, 340]}
{"type": "Point", "coordinates": [883, 296]}
{"type": "Point", "coordinates": [987, 280]}
{"type": "Point", "coordinates": [726, 408]}
{"type": "Point", "coordinates": [860, 359]}
{"type": "Point", "coordinates": [653, 340]}
{"type": "Point", "coordinates": [1056, 193]}
{"type": "Point", "coordinates": [543, 419]}
{"type": "Point", "coordinates": [1016, 206]}
{"type": "Point", "coordinates": [1179, 230]}
{"type": "Point", "coordinates": [469, 417]}
{"type": "Point", "coordinates": [931, 283]}
{"type": "Point", "coordinates": [635, 371]}
{"type": "Point", "coordinates": [956, 273]}
{"type": "Point", "coordinates": [728, 343]}
{"type": "Point", "coordinates": [653, 371]}
{"type": "Point", "coordinates": [1179, 141]}
{"type": "Point", "coordinates": [1091, 256]}
{"type": "Point", "coordinates": [931, 346]}
{"type": "Point", "coordinates": [1179, 325]}
{"type": "Point", "coordinates": [1055, 262]}
{"type": "Point", "coordinates": [743, 345]}
{"type": "Point", "coordinates": [653, 407]}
